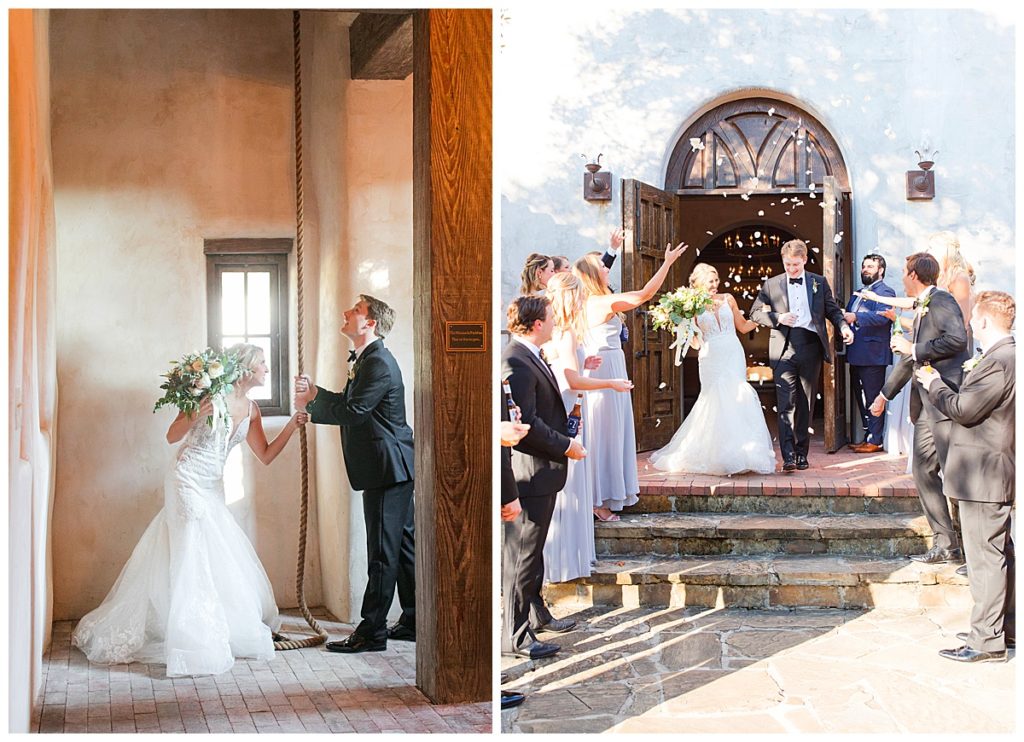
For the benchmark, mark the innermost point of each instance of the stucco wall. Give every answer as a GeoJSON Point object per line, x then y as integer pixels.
{"type": "Point", "coordinates": [168, 127]}
{"type": "Point", "coordinates": [624, 82]}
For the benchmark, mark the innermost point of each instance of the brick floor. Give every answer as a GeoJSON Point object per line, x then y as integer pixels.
{"type": "Point", "coordinates": [300, 690]}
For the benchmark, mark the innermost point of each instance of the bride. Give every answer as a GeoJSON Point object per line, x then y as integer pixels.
{"type": "Point", "coordinates": [725, 432]}
{"type": "Point", "coordinates": [193, 594]}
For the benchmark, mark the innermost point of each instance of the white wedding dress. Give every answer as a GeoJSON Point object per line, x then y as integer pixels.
{"type": "Point", "coordinates": [193, 594]}
{"type": "Point", "coordinates": [725, 432]}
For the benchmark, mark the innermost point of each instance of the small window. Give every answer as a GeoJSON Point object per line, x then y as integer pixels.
{"type": "Point", "coordinates": [247, 302]}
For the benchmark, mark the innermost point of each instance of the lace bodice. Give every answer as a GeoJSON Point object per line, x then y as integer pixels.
{"type": "Point", "coordinates": [208, 448]}
{"type": "Point", "coordinates": [714, 323]}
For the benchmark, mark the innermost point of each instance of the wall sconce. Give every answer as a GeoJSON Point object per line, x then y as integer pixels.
{"type": "Point", "coordinates": [921, 183]}
{"type": "Point", "coordinates": [597, 186]}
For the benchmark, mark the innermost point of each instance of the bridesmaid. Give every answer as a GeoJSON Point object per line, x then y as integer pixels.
{"type": "Point", "coordinates": [536, 273]}
{"type": "Point", "coordinates": [569, 549]}
{"type": "Point", "coordinates": [612, 450]}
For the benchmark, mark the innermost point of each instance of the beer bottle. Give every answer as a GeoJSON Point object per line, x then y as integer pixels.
{"type": "Point", "coordinates": [897, 326]}
{"type": "Point", "coordinates": [513, 413]}
{"type": "Point", "coordinates": [572, 425]}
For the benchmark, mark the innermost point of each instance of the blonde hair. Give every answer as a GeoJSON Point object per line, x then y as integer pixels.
{"type": "Point", "coordinates": [793, 249]}
{"type": "Point", "coordinates": [245, 354]}
{"type": "Point", "coordinates": [588, 269]}
{"type": "Point", "coordinates": [945, 247]}
{"type": "Point", "coordinates": [701, 272]}
{"type": "Point", "coordinates": [568, 303]}
{"type": "Point", "coordinates": [534, 264]}
{"type": "Point", "coordinates": [998, 306]}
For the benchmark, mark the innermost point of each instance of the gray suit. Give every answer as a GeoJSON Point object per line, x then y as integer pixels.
{"type": "Point", "coordinates": [979, 473]}
{"type": "Point", "coordinates": [941, 340]}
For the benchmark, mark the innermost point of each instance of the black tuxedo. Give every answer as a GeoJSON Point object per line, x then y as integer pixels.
{"type": "Point", "coordinates": [378, 447]}
{"type": "Point", "coordinates": [539, 471]}
{"type": "Point", "coordinates": [941, 340]}
{"type": "Point", "coordinates": [796, 353]}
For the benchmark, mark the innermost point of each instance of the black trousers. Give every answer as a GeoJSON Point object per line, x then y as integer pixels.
{"type": "Point", "coordinates": [522, 574]}
{"type": "Point", "coordinates": [867, 383]}
{"type": "Point", "coordinates": [796, 381]}
{"type": "Point", "coordinates": [391, 558]}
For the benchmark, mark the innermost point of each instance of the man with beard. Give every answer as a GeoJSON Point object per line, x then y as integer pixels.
{"type": "Point", "coordinates": [869, 356]}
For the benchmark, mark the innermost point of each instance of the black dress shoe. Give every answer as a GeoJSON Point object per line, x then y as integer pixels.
{"type": "Point", "coordinates": [789, 465]}
{"type": "Point", "coordinates": [400, 632]}
{"type": "Point", "coordinates": [557, 625]}
{"type": "Point", "coordinates": [962, 570]}
{"type": "Point", "coordinates": [534, 651]}
{"type": "Point", "coordinates": [801, 462]}
{"type": "Point", "coordinates": [355, 643]}
{"type": "Point", "coordinates": [511, 699]}
{"type": "Point", "coordinates": [1011, 643]}
{"type": "Point", "coordinates": [966, 654]}
{"type": "Point", "coordinates": [935, 555]}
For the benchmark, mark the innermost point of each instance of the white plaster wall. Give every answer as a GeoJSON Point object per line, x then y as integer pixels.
{"type": "Point", "coordinates": [168, 127]}
{"type": "Point", "coordinates": [623, 83]}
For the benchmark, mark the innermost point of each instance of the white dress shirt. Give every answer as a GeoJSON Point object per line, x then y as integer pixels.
{"type": "Point", "coordinates": [360, 351]}
{"type": "Point", "coordinates": [798, 302]}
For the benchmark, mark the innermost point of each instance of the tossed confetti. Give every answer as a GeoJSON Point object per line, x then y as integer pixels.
{"type": "Point", "coordinates": [696, 144]}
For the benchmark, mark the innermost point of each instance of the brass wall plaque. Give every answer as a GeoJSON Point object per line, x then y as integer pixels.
{"type": "Point", "coordinates": [465, 337]}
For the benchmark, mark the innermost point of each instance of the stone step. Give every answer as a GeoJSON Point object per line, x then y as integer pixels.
{"type": "Point", "coordinates": [669, 534]}
{"type": "Point", "coordinates": [765, 582]}
{"type": "Point", "coordinates": [780, 501]}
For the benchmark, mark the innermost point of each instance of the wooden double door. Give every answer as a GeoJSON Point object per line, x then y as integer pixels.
{"type": "Point", "coordinates": [652, 218]}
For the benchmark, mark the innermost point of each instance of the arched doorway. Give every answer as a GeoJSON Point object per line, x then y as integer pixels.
{"type": "Point", "coordinates": [757, 164]}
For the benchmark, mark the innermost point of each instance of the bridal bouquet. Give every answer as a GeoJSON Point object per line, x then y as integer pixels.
{"type": "Point", "coordinates": [676, 312]}
{"type": "Point", "coordinates": [210, 373]}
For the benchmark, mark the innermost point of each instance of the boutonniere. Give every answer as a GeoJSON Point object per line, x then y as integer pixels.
{"type": "Point", "coordinates": [352, 373]}
{"type": "Point", "coordinates": [814, 286]}
{"type": "Point", "coordinates": [922, 306]}
{"type": "Point", "coordinates": [972, 362]}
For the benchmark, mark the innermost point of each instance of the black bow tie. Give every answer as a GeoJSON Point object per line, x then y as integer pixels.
{"type": "Point", "coordinates": [797, 280]}
{"type": "Point", "coordinates": [351, 356]}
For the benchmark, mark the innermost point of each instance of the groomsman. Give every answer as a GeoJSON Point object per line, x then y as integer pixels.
{"type": "Point", "coordinates": [511, 434]}
{"type": "Point", "coordinates": [539, 470]}
{"type": "Point", "coordinates": [796, 305]}
{"type": "Point", "coordinates": [979, 474]}
{"type": "Point", "coordinates": [940, 340]}
{"type": "Point", "coordinates": [869, 356]}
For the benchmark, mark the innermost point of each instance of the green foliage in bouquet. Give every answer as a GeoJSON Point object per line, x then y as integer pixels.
{"type": "Point", "coordinates": [674, 307]}
{"type": "Point", "coordinates": [197, 375]}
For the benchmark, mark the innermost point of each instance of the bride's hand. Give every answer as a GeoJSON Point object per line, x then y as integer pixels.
{"type": "Point", "coordinates": [866, 294]}
{"type": "Point", "coordinates": [621, 385]}
{"type": "Point", "coordinates": [205, 407]}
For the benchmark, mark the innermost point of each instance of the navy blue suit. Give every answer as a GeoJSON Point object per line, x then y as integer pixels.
{"type": "Point", "coordinates": [868, 356]}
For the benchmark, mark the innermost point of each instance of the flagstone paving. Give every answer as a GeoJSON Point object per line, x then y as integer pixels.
{"type": "Point", "coordinates": [693, 670]}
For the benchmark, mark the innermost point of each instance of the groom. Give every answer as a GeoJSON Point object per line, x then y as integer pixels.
{"type": "Point", "coordinates": [378, 448]}
{"type": "Point", "coordinates": [795, 305]}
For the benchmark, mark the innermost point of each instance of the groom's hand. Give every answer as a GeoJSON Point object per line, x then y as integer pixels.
{"type": "Point", "coordinates": [847, 334]}
{"type": "Point", "coordinates": [901, 345]}
{"type": "Point", "coordinates": [787, 318]}
{"type": "Point", "coordinates": [305, 391]}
